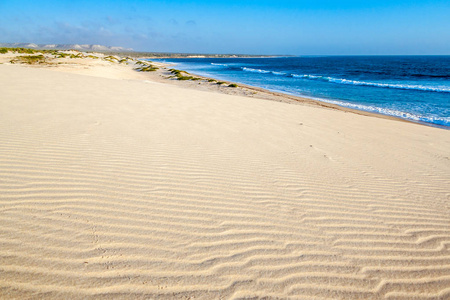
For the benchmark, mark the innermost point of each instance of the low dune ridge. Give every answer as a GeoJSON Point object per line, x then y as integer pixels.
{"type": "Point", "coordinates": [125, 188]}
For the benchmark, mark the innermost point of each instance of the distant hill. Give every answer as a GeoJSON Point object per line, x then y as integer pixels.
{"type": "Point", "coordinates": [65, 47]}
{"type": "Point", "coordinates": [125, 51]}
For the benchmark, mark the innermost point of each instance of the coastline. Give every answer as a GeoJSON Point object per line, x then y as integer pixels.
{"type": "Point", "coordinates": [265, 94]}
{"type": "Point", "coordinates": [242, 89]}
{"type": "Point", "coordinates": [427, 117]}
{"type": "Point", "coordinates": [119, 183]}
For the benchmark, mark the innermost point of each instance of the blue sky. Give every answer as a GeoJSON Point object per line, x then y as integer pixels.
{"type": "Point", "coordinates": [313, 27]}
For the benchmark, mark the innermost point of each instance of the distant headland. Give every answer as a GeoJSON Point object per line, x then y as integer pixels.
{"type": "Point", "coordinates": [124, 51]}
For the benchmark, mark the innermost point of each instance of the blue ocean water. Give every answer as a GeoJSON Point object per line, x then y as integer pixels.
{"type": "Point", "coordinates": [416, 88]}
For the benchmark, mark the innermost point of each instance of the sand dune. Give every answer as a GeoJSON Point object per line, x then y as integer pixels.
{"type": "Point", "coordinates": [127, 189]}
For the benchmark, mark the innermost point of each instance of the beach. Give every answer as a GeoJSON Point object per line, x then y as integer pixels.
{"type": "Point", "coordinates": [123, 184]}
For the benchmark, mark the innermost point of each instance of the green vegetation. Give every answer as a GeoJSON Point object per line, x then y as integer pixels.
{"type": "Point", "coordinates": [233, 85]}
{"type": "Point", "coordinates": [149, 68]}
{"type": "Point", "coordinates": [177, 72]}
{"type": "Point", "coordinates": [146, 66]}
{"type": "Point", "coordinates": [23, 50]}
{"type": "Point", "coordinates": [27, 51]}
{"type": "Point", "coordinates": [78, 55]}
{"type": "Point", "coordinates": [185, 78]}
{"type": "Point", "coordinates": [37, 58]}
{"type": "Point", "coordinates": [142, 63]}
{"type": "Point", "coordinates": [111, 58]}
{"type": "Point", "coordinates": [212, 80]}
{"type": "Point", "coordinates": [61, 55]}
{"type": "Point", "coordinates": [179, 75]}
{"type": "Point", "coordinates": [29, 59]}
{"type": "Point", "coordinates": [220, 82]}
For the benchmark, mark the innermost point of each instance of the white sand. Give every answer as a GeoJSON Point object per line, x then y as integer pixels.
{"type": "Point", "coordinates": [121, 188]}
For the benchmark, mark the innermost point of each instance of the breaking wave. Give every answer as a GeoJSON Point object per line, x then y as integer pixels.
{"type": "Point", "coordinates": [376, 84]}
{"type": "Point", "coordinates": [346, 81]}
{"type": "Point", "coordinates": [443, 121]}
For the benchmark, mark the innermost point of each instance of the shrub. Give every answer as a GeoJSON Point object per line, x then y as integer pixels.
{"type": "Point", "coordinates": [3, 50]}
{"type": "Point", "coordinates": [24, 50]}
{"type": "Point", "coordinates": [79, 55]}
{"type": "Point", "coordinates": [142, 63]}
{"type": "Point", "coordinates": [179, 75]}
{"type": "Point", "coordinates": [220, 82]}
{"type": "Point", "coordinates": [111, 58]}
{"type": "Point", "coordinates": [29, 59]}
{"type": "Point", "coordinates": [185, 77]}
{"type": "Point", "coordinates": [62, 55]}
{"type": "Point", "coordinates": [233, 85]}
{"type": "Point", "coordinates": [149, 68]}
{"type": "Point", "coordinates": [176, 72]}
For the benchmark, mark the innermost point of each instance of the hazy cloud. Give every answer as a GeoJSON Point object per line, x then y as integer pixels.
{"type": "Point", "coordinates": [63, 32]}
{"type": "Point", "coordinates": [113, 21]}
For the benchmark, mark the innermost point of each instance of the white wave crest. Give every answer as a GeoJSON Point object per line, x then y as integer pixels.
{"type": "Point", "coordinates": [445, 121]}
{"type": "Point", "coordinates": [376, 84]}
{"type": "Point", "coordinates": [263, 71]}
{"type": "Point", "coordinates": [223, 65]}
{"type": "Point", "coordinates": [255, 70]}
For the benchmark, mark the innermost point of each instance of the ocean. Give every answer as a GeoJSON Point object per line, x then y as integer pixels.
{"type": "Point", "coordinates": [415, 88]}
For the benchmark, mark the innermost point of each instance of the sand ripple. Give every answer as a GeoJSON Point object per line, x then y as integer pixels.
{"type": "Point", "coordinates": [118, 189]}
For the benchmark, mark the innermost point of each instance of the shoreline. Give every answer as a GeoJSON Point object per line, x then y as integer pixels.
{"type": "Point", "coordinates": [278, 96]}
{"type": "Point", "coordinates": [325, 104]}
{"type": "Point", "coordinates": [297, 99]}
{"type": "Point", "coordinates": [246, 90]}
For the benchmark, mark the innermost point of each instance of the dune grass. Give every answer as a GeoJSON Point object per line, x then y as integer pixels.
{"type": "Point", "coordinates": [29, 59]}
{"type": "Point", "coordinates": [24, 50]}
{"type": "Point", "coordinates": [62, 55]}
{"type": "Point", "coordinates": [111, 58]}
{"type": "Point", "coordinates": [147, 68]}
{"type": "Point", "coordinates": [142, 63]}
{"type": "Point", "coordinates": [179, 75]}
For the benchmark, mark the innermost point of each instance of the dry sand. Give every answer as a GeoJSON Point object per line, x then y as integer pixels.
{"type": "Point", "coordinates": [122, 187]}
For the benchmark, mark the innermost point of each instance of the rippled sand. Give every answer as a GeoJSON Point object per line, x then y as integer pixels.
{"type": "Point", "coordinates": [116, 188]}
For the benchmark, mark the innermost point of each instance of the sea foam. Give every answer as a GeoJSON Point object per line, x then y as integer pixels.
{"type": "Point", "coordinates": [425, 88]}
{"type": "Point", "coordinates": [443, 121]}
{"type": "Point", "coordinates": [376, 84]}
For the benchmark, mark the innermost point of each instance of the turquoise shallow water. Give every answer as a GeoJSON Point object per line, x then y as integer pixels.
{"type": "Point", "coordinates": [416, 88]}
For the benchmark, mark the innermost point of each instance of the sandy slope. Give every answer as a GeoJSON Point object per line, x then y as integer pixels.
{"type": "Point", "coordinates": [125, 188]}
